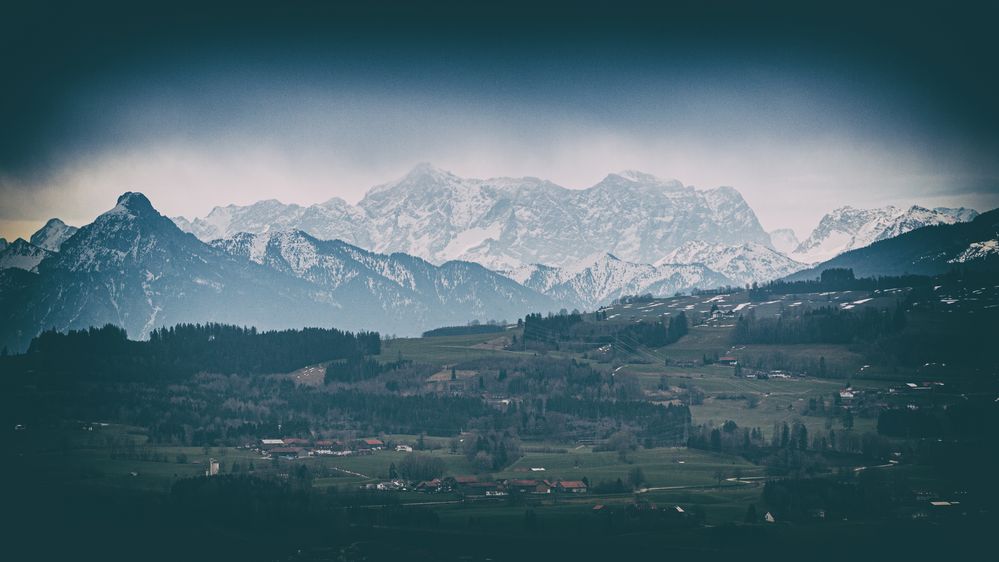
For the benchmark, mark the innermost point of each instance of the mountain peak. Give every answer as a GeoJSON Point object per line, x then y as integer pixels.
{"type": "Point", "coordinates": [848, 228]}
{"type": "Point", "coordinates": [52, 235]}
{"type": "Point", "coordinates": [426, 170]}
{"type": "Point", "coordinates": [135, 202]}
{"type": "Point", "coordinates": [634, 179]}
{"type": "Point", "coordinates": [637, 176]}
{"type": "Point", "coordinates": [420, 176]}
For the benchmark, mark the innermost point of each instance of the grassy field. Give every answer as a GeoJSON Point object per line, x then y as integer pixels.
{"type": "Point", "coordinates": [662, 467]}
{"type": "Point", "coordinates": [445, 350]}
{"type": "Point", "coordinates": [727, 397]}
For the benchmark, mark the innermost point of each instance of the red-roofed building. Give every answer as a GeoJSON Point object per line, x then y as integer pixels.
{"type": "Point", "coordinates": [522, 486]}
{"type": "Point", "coordinates": [571, 486]}
{"type": "Point", "coordinates": [371, 444]}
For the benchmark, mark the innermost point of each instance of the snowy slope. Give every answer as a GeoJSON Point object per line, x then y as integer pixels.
{"type": "Point", "coordinates": [599, 279]}
{"type": "Point", "coordinates": [22, 254]}
{"type": "Point", "coordinates": [397, 286]}
{"type": "Point", "coordinates": [745, 263]}
{"type": "Point", "coordinates": [52, 235]}
{"type": "Point", "coordinates": [978, 251]}
{"type": "Point", "coordinates": [505, 223]}
{"type": "Point", "coordinates": [784, 240]}
{"type": "Point", "coordinates": [930, 250]}
{"type": "Point", "coordinates": [847, 228]}
{"type": "Point", "coordinates": [333, 220]}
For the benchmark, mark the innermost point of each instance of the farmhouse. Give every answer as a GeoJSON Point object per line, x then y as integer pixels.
{"type": "Point", "coordinates": [289, 453]}
{"type": "Point", "coordinates": [488, 489]}
{"type": "Point", "coordinates": [571, 486]}
{"type": "Point", "coordinates": [527, 487]}
{"type": "Point", "coordinates": [271, 443]}
{"type": "Point", "coordinates": [727, 360]}
{"type": "Point", "coordinates": [370, 444]}
{"type": "Point", "coordinates": [431, 486]}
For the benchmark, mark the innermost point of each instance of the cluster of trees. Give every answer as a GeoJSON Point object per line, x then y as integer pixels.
{"type": "Point", "coordinates": [554, 331]}
{"type": "Point", "coordinates": [360, 368]}
{"type": "Point", "coordinates": [658, 333]}
{"type": "Point", "coordinates": [836, 279]}
{"type": "Point", "coordinates": [939, 336]}
{"type": "Point", "coordinates": [728, 437]}
{"type": "Point", "coordinates": [180, 351]}
{"type": "Point", "coordinates": [471, 329]}
{"type": "Point", "coordinates": [661, 425]}
{"type": "Point", "coordinates": [822, 325]}
{"type": "Point", "coordinates": [550, 328]}
{"type": "Point", "coordinates": [417, 467]}
{"type": "Point", "coordinates": [634, 299]}
{"type": "Point", "coordinates": [866, 495]}
{"type": "Point", "coordinates": [492, 450]}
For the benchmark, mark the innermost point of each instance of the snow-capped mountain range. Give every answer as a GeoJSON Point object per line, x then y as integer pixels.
{"type": "Point", "coordinates": [741, 264]}
{"type": "Point", "coordinates": [389, 286]}
{"type": "Point", "coordinates": [599, 279]}
{"type": "Point", "coordinates": [931, 250]}
{"type": "Point", "coordinates": [506, 223]}
{"type": "Point", "coordinates": [274, 265]}
{"type": "Point", "coordinates": [134, 268]}
{"type": "Point", "coordinates": [847, 228]}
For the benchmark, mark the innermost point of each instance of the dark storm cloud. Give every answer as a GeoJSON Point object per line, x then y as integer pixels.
{"type": "Point", "coordinates": [939, 59]}
{"type": "Point", "coordinates": [893, 92]}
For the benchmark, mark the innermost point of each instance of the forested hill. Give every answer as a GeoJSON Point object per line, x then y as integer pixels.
{"type": "Point", "coordinates": [183, 350]}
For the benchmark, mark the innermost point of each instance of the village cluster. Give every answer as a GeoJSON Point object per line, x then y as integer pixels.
{"type": "Point", "coordinates": [290, 448]}
{"type": "Point", "coordinates": [471, 486]}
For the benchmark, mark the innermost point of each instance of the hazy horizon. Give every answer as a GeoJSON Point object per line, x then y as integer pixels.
{"type": "Point", "coordinates": [24, 229]}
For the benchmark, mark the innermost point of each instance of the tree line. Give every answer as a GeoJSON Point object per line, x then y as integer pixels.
{"type": "Point", "coordinates": [180, 351]}
{"type": "Point", "coordinates": [828, 324]}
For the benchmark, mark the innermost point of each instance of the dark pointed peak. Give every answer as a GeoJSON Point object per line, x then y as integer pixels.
{"type": "Point", "coordinates": [135, 202]}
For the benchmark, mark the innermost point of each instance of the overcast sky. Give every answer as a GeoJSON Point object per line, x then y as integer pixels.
{"type": "Point", "coordinates": [802, 112]}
